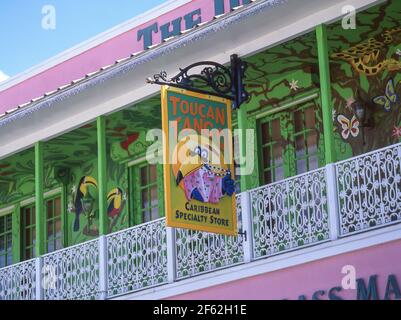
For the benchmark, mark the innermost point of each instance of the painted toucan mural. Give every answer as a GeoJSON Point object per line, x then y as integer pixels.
{"type": "Point", "coordinates": [82, 193]}
{"type": "Point", "coordinates": [116, 202]}
{"type": "Point", "coordinates": [86, 196]}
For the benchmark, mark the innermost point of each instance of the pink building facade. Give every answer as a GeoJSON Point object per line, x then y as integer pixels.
{"type": "Point", "coordinates": [319, 215]}
{"type": "Point", "coordinates": [374, 278]}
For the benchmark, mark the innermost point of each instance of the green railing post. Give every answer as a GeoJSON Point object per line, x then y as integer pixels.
{"type": "Point", "coordinates": [39, 205]}
{"type": "Point", "coordinates": [102, 163]}
{"type": "Point", "coordinates": [325, 91]}
{"type": "Point", "coordinates": [242, 126]}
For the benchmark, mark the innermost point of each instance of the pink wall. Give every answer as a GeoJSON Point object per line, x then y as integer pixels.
{"type": "Point", "coordinates": [92, 60]}
{"type": "Point", "coordinates": [382, 260]}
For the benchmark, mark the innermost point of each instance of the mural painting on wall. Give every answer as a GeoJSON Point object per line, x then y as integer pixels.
{"type": "Point", "coordinates": [15, 183]}
{"type": "Point", "coordinates": [126, 138]}
{"type": "Point", "coordinates": [130, 127]}
{"type": "Point", "coordinates": [276, 77]}
{"type": "Point", "coordinates": [365, 74]}
{"type": "Point", "coordinates": [285, 71]}
{"type": "Point", "coordinates": [85, 203]}
{"type": "Point", "coordinates": [77, 151]}
{"type": "Point", "coordinates": [17, 180]}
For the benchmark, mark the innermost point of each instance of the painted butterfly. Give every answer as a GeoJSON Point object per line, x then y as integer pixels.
{"type": "Point", "coordinates": [397, 132]}
{"type": "Point", "coordinates": [349, 127]}
{"type": "Point", "coordinates": [390, 97]}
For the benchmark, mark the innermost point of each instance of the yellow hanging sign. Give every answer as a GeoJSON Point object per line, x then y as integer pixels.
{"type": "Point", "coordinates": [198, 161]}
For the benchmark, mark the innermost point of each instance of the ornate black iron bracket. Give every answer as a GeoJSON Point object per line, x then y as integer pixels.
{"type": "Point", "coordinates": [214, 79]}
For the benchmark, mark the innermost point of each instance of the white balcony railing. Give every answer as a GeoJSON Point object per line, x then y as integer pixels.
{"type": "Point", "coordinates": [199, 252]}
{"type": "Point", "coordinates": [369, 190]}
{"type": "Point", "coordinates": [72, 273]}
{"type": "Point", "coordinates": [290, 214]}
{"type": "Point", "coordinates": [18, 282]}
{"type": "Point", "coordinates": [137, 258]}
{"type": "Point", "coordinates": [341, 199]}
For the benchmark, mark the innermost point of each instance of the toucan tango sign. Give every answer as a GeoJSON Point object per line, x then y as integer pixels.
{"type": "Point", "coordinates": [198, 161]}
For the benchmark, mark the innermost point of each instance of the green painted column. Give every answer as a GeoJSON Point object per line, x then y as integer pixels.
{"type": "Point", "coordinates": [135, 196]}
{"type": "Point", "coordinates": [64, 217]}
{"type": "Point", "coordinates": [102, 180]}
{"type": "Point", "coordinates": [325, 92]}
{"type": "Point", "coordinates": [160, 189]}
{"type": "Point", "coordinates": [242, 125]}
{"type": "Point", "coordinates": [39, 205]}
{"type": "Point", "coordinates": [16, 234]}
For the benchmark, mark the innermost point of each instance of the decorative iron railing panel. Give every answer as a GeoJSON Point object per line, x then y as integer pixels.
{"type": "Point", "coordinates": [369, 190]}
{"type": "Point", "coordinates": [18, 282]}
{"type": "Point", "coordinates": [199, 252]}
{"type": "Point", "coordinates": [290, 214]}
{"type": "Point", "coordinates": [286, 215]}
{"type": "Point", "coordinates": [137, 258]}
{"type": "Point", "coordinates": [72, 273]}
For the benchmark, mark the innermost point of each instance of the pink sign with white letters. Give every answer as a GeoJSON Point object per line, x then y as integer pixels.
{"type": "Point", "coordinates": [367, 274]}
